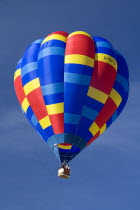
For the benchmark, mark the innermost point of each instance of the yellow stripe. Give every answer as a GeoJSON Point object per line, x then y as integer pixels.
{"type": "Point", "coordinates": [45, 122]}
{"type": "Point", "coordinates": [103, 128]}
{"type": "Point", "coordinates": [97, 94]}
{"type": "Point", "coordinates": [25, 104]}
{"type": "Point", "coordinates": [94, 128]}
{"type": "Point", "coordinates": [115, 96]}
{"type": "Point", "coordinates": [79, 59]}
{"type": "Point", "coordinates": [55, 36]}
{"type": "Point", "coordinates": [17, 73]}
{"type": "Point", "coordinates": [107, 59]}
{"type": "Point", "coordinates": [55, 108]}
{"type": "Point", "coordinates": [32, 85]}
{"type": "Point", "coordinates": [64, 146]}
{"type": "Point", "coordinates": [79, 32]}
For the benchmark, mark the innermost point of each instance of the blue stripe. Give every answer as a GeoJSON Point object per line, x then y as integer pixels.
{"type": "Point", "coordinates": [29, 77]}
{"type": "Point", "coordinates": [93, 104]}
{"type": "Point", "coordinates": [51, 141]}
{"type": "Point", "coordinates": [53, 42]}
{"type": "Point", "coordinates": [74, 96]}
{"type": "Point", "coordinates": [19, 61]}
{"type": "Point", "coordinates": [54, 98]}
{"type": "Point", "coordinates": [51, 69]}
{"type": "Point", "coordinates": [122, 80]}
{"type": "Point", "coordinates": [18, 66]}
{"type": "Point", "coordinates": [56, 151]}
{"type": "Point", "coordinates": [83, 129]}
{"type": "Point", "coordinates": [98, 39]}
{"type": "Point", "coordinates": [70, 128]}
{"type": "Point", "coordinates": [49, 131]}
{"type": "Point", "coordinates": [73, 149]}
{"type": "Point", "coordinates": [122, 67]}
{"type": "Point", "coordinates": [71, 118]}
{"type": "Point", "coordinates": [120, 108]}
{"type": "Point", "coordinates": [89, 113]}
{"type": "Point", "coordinates": [44, 133]}
{"type": "Point", "coordinates": [34, 120]}
{"type": "Point", "coordinates": [38, 41]}
{"type": "Point", "coordinates": [52, 88]}
{"type": "Point", "coordinates": [51, 51]}
{"type": "Point", "coordinates": [68, 138]}
{"type": "Point", "coordinates": [107, 51]}
{"type": "Point", "coordinates": [119, 88]}
{"type": "Point", "coordinates": [28, 68]}
{"type": "Point", "coordinates": [77, 78]}
{"type": "Point", "coordinates": [31, 54]}
{"type": "Point", "coordinates": [109, 122]}
{"type": "Point", "coordinates": [114, 116]}
{"type": "Point", "coordinates": [79, 69]}
{"type": "Point", "coordinates": [29, 112]}
{"type": "Point", "coordinates": [103, 44]}
{"type": "Point", "coordinates": [58, 137]}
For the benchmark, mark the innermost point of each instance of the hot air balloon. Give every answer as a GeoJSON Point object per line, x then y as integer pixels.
{"type": "Point", "coordinates": [71, 87]}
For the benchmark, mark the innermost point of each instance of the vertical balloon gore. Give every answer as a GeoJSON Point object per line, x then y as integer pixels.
{"type": "Point", "coordinates": [71, 87]}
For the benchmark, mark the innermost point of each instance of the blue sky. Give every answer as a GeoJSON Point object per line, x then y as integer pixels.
{"type": "Point", "coordinates": [106, 175]}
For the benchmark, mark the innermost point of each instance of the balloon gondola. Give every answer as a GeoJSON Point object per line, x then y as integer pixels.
{"type": "Point", "coordinates": [71, 88]}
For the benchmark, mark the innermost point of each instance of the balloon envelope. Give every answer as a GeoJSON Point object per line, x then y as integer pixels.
{"type": "Point", "coordinates": [71, 88]}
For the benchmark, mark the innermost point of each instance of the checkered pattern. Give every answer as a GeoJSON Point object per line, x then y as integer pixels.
{"type": "Point", "coordinates": [71, 88]}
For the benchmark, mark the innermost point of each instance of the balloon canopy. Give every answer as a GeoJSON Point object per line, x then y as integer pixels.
{"type": "Point", "coordinates": [71, 87]}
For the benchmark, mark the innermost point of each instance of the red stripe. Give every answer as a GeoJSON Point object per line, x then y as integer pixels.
{"type": "Point", "coordinates": [65, 144]}
{"type": "Point", "coordinates": [57, 121]}
{"type": "Point", "coordinates": [37, 104]}
{"type": "Point", "coordinates": [19, 89]}
{"type": "Point", "coordinates": [80, 44]}
{"type": "Point", "coordinates": [63, 33]}
{"type": "Point", "coordinates": [104, 76]}
{"type": "Point", "coordinates": [106, 112]}
{"type": "Point", "coordinates": [93, 138]}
